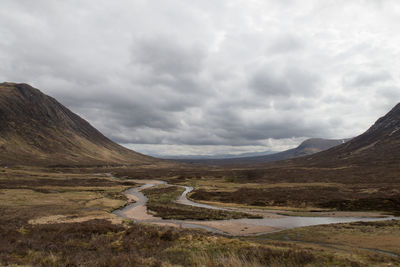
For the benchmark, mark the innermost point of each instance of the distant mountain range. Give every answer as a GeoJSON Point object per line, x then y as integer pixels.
{"type": "Point", "coordinates": [218, 156]}
{"type": "Point", "coordinates": [379, 145]}
{"type": "Point", "coordinates": [36, 129]}
{"type": "Point", "coordinates": [308, 147]}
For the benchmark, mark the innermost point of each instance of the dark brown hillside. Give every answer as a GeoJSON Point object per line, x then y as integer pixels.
{"type": "Point", "coordinates": [380, 144]}
{"type": "Point", "coordinates": [35, 129]}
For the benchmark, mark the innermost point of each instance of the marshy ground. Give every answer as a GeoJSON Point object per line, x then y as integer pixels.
{"type": "Point", "coordinates": [64, 218]}
{"type": "Point", "coordinates": [162, 201]}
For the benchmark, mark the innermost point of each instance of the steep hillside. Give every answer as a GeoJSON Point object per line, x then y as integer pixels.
{"type": "Point", "coordinates": [379, 144]}
{"type": "Point", "coordinates": [35, 129]}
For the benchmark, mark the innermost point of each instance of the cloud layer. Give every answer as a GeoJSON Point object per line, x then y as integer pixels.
{"type": "Point", "coordinates": [209, 77]}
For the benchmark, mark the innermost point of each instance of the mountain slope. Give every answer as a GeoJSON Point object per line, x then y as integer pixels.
{"type": "Point", "coordinates": [362, 174]}
{"type": "Point", "coordinates": [35, 129]}
{"type": "Point", "coordinates": [308, 147]}
{"type": "Point", "coordinates": [379, 144]}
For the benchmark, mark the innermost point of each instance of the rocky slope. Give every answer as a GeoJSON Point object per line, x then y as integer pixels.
{"type": "Point", "coordinates": [35, 129]}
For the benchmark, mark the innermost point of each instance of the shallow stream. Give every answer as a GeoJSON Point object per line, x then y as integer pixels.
{"type": "Point", "coordinates": [270, 223]}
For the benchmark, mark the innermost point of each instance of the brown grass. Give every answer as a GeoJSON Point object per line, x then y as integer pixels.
{"type": "Point", "coordinates": [162, 201]}
{"type": "Point", "coordinates": [383, 235]}
{"type": "Point", "coordinates": [374, 187]}
{"type": "Point", "coordinates": [102, 243]}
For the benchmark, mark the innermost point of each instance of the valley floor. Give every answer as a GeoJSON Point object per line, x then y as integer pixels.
{"type": "Point", "coordinates": [63, 217]}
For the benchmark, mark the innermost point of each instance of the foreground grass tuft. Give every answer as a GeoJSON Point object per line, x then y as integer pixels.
{"type": "Point", "coordinates": [100, 243]}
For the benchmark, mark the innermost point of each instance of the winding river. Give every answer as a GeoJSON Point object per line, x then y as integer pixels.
{"type": "Point", "coordinates": [271, 221]}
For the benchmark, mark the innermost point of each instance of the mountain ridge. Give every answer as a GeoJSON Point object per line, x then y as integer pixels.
{"type": "Point", "coordinates": [379, 143]}
{"type": "Point", "coordinates": [38, 130]}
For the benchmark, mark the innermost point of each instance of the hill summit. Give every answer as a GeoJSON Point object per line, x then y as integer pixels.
{"type": "Point", "coordinates": [35, 129]}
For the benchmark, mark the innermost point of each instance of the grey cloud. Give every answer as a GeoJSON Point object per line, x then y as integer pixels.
{"type": "Point", "coordinates": [290, 81]}
{"type": "Point", "coordinates": [367, 78]}
{"type": "Point", "coordinates": [286, 44]}
{"type": "Point", "coordinates": [392, 92]}
{"type": "Point", "coordinates": [229, 126]}
{"type": "Point", "coordinates": [130, 113]}
{"type": "Point", "coordinates": [199, 74]}
{"type": "Point", "coordinates": [165, 56]}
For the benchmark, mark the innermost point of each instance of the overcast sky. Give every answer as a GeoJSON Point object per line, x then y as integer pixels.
{"type": "Point", "coordinates": [209, 76]}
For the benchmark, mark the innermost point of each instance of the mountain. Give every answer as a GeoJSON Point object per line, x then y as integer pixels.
{"type": "Point", "coordinates": [35, 129]}
{"type": "Point", "coordinates": [308, 147]}
{"type": "Point", "coordinates": [211, 157]}
{"type": "Point", "coordinates": [379, 144]}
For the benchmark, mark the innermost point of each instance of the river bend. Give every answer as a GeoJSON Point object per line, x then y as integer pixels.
{"type": "Point", "coordinates": [271, 222]}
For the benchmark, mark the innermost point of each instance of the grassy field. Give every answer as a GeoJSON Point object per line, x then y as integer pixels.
{"type": "Point", "coordinates": [306, 197]}
{"type": "Point", "coordinates": [374, 243]}
{"type": "Point", "coordinates": [100, 243]}
{"type": "Point", "coordinates": [162, 201]}
{"type": "Point", "coordinates": [290, 188]}
{"type": "Point", "coordinates": [384, 236]}
{"type": "Point", "coordinates": [288, 185]}
{"type": "Point", "coordinates": [39, 196]}
{"type": "Point", "coordinates": [226, 192]}
{"type": "Point", "coordinates": [64, 219]}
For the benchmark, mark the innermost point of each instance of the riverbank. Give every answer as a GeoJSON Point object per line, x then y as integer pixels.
{"type": "Point", "coordinates": [272, 222]}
